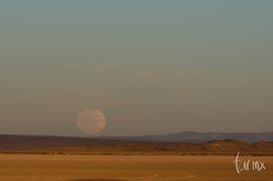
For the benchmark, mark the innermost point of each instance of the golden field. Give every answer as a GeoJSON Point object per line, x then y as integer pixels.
{"type": "Point", "coordinates": [30, 167]}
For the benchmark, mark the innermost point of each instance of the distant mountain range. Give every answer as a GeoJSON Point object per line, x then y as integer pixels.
{"type": "Point", "coordinates": [178, 143]}
{"type": "Point", "coordinates": [35, 141]}
{"type": "Point", "coordinates": [198, 137]}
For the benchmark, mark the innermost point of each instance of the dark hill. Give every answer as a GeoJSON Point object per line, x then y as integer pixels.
{"type": "Point", "coordinates": [76, 145]}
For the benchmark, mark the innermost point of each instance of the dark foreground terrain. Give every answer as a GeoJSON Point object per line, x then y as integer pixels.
{"type": "Point", "coordinates": [43, 158]}
{"type": "Point", "coordinates": [72, 145]}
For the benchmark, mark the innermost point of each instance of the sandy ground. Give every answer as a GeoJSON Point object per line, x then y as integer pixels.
{"type": "Point", "coordinates": [16, 167]}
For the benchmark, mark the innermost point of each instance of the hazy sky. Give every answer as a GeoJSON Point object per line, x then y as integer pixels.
{"type": "Point", "coordinates": [152, 66]}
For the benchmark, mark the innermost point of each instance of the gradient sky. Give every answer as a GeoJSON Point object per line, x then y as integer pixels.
{"type": "Point", "coordinates": [152, 66]}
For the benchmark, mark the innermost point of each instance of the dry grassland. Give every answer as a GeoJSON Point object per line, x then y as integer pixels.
{"type": "Point", "coordinates": [19, 167]}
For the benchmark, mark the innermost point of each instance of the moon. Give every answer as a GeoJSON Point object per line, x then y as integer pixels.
{"type": "Point", "coordinates": [91, 121]}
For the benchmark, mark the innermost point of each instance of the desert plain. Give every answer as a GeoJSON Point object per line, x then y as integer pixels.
{"type": "Point", "coordinates": [32, 167]}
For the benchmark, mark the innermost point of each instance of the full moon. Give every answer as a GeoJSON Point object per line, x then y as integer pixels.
{"type": "Point", "coordinates": [91, 121]}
